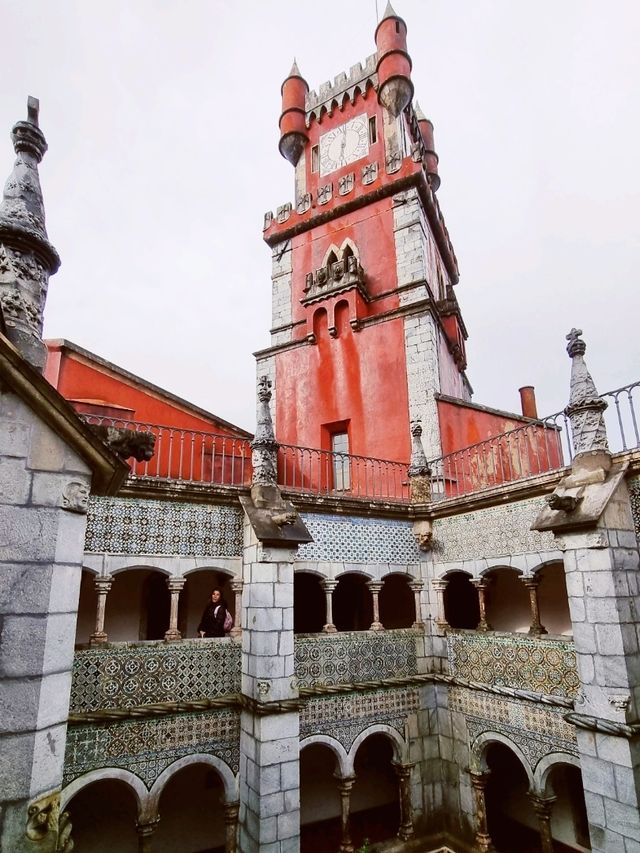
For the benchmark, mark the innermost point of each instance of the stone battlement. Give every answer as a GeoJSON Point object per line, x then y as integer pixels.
{"type": "Point", "coordinates": [332, 94]}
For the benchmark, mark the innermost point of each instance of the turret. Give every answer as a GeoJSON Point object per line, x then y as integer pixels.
{"type": "Point", "coordinates": [293, 129]}
{"type": "Point", "coordinates": [395, 89]}
{"type": "Point", "coordinates": [27, 259]}
{"type": "Point", "coordinates": [431, 158]}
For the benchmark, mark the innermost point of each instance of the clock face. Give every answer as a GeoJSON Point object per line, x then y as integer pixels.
{"type": "Point", "coordinates": [344, 144]}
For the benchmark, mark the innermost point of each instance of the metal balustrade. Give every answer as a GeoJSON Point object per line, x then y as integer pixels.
{"type": "Point", "coordinates": [535, 448]}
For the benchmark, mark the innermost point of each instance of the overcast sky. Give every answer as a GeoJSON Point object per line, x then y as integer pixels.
{"type": "Point", "coordinates": [162, 123]}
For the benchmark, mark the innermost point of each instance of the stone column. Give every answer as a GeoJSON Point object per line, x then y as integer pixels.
{"type": "Point", "coordinates": [175, 586]}
{"type": "Point", "coordinates": [375, 587]}
{"type": "Point", "coordinates": [417, 587]}
{"type": "Point", "coordinates": [102, 585]}
{"type": "Point", "coordinates": [482, 839]}
{"type": "Point", "coordinates": [345, 784]}
{"type": "Point", "coordinates": [481, 584]}
{"type": "Point", "coordinates": [269, 736]}
{"type": "Point", "coordinates": [439, 585]}
{"type": "Point", "coordinates": [328, 587]}
{"type": "Point", "coordinates": [542, 807]}
{"type": "Point", "coordinates": [236, 589]}
{"type": "Point", "coordinates": [145, 831]}
{"type": "Point", "coordinates": [231, 811]}
{"type": "Point", "coordinates": [532, 584]}
{"type": "Point", "coordinates": [403, 772]}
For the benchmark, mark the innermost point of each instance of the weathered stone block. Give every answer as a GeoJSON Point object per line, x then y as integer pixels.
{"type": "Point", "coordinates": [275, 752]}
{"type": "Point", "coordinates": [18, 706]}
{"type": "Point", "coordinates": [625, 819]}
{"type": "Point", "coordinates": [15, 765]}
{"type": "Point", "coordinates": [15, 438]}
{"type": "Point", "coordinates": [54, 699]}
{"type": "Point", "coordinates": [25, 587]}
{"type": "Point", "coordinates": [28, 534]}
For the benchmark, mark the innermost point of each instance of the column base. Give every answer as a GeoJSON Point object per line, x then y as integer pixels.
{"type": "Point", "coordinates": [376, 626]}
{"type": "Point", "coordinates": [172, 636]}
{"type": "Point", "coordinates": [97, 638]}
{"type": "Point", "coordinates": [236, 631]}
{"type": "Point", "coordinates": [537, 630]}
{"type": "Point", "coordinates": [329, 628]}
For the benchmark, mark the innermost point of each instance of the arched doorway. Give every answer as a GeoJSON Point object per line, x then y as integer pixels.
{"type": "Point", "coordinates": [103, 818]}
{"type": "Point", "coordinates": [87, 606]}
{"type": "Point", "coordinates": [196, 595]}
{"type": "Point", "coordinates": [511, 819]}
{"type": "Point", "coordinates": [137, 606]}
{"type": "Point", "coordinates": [352, 603]}
{"type": "Point", "coordinates": [569, 823]}
{"type": "Point", "coordinates": [375, 806]}
{"type": "Point", "coordinates": [320, 828]}
{"type": "Point", "coordinates": [461, 608]}
{"type": "Point", "coordinates": [508, 605]}
{"type": "Point", "coordinates": [309, 603]}
{"type": "Point", "coordinates": [552, 599]}
{"type": "Point", "coordinates": [397, 602]}
{"type": "Point", "coordinates": [191, 812]}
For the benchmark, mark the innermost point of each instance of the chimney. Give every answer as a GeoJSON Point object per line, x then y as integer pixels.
{"type": "Point", "coordinates": [528, 401]}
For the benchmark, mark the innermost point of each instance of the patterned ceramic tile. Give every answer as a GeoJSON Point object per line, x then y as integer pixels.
{"type": "Point", "coordinates": [132, 526]}
{"type": "Point", "coordinates": [125, 676]}
{"type": "Point", "coordinates": [537, 730]}
{"type": "Point", "coordinates": [353, 539]}
{"type": "Point", "coordinates": [147, 747]}
{"type": "Point", "coordinates": [634, 492]}
{"type": "Point", "coordinates": [356, 656]}
{"type": "Point", "coordinates": [544, 666]}
{"type": "Point", "coordinates": [345, 717]}
{"type": "Point", "coordinates": [492, 532]}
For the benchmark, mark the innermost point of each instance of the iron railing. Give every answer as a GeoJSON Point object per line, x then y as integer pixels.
{"type": "Point", "coordinates": [535, 448]}
{"type": "Point", "coordinates": [325, 472]}
{"type": "Point", "coordinates": [192, 456]}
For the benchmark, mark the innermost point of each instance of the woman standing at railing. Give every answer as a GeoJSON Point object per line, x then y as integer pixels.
{"type": "Point", "coordinates": [213, 619]}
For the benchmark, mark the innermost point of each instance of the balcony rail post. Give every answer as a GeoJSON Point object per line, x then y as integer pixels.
{"type": "Point", "coordinates": [375, 587]}
{"type": "Point", "coordinates": [175, 586]}
{"type": "Point", "coordinates": [236, 589]}
{"type": "Point", "coordinates": [102, 585]}
{"type": "Point", "coordinates": [328, 587]}
{"type": "Point", "coordinates": [345, 784]}
{"type": "Point", "coordinates": [482, 584]}
{"type": "Point", "coordinates": [439, 585]}
{"type": "Point", "coordinates": [532, 584]}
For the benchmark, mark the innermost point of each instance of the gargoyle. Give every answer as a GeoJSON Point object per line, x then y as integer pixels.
{"type": "Point", "coordinates": [282, 518]}
{"type": "Point", "coordinates": [127, 442]}
{"type": "Point", "coordinates": [566, 503]}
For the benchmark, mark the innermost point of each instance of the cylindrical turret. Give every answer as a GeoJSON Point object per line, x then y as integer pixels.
{"type": "Point", "coordinates": [528, 401]}
{"type": "Point", "coordinates": [431, 158]}
{"type": "Point", "coordinates": [293, 129]}
{"type": "Point", "coordinates": [395, 89]}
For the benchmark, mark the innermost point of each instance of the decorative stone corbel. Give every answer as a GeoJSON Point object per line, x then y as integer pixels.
{"type": "Point", "coordinates": [75, 497]}
{"type": "Point", "coordinates": [423, 534]}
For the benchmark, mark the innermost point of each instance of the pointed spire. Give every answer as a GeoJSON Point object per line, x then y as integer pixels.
{"type": "Point", "coordinates": [295, 71]}
{"type": "Point", "coordinates": [28, 258]}
{"type": "Point", "coordinates": [419, 471]}
{"type": "Point", "coordinates": [389, 12]}
{"type": "Point", "coordinates": [264, 446]}
{"type": "Point", "coordinates": [586, 407]}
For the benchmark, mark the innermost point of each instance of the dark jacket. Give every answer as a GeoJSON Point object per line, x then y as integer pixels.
{"type": "Point", "coordinates": [212, 622]}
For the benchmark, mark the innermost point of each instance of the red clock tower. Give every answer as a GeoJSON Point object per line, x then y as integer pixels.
{"type": "Point", "coordinates": [366, 329]}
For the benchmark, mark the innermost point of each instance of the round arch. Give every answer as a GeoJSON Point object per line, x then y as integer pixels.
{"type": "Point", "coordinates": [140, 567]}
{"type": "Point", "coordinates": [229, 781]}
{"type": "Point", "coordinates": [111, 774]}
{"type": "Point", "coordinates": [400, 747]}
{"type": "Point", "coordinates": [228, 573]}
{"type": "Point", "coordinates": [546, 765]}
{"type": "Point", "coordinates": [479, 754]}
{"type": "Point", "coordinates": [344, 762]}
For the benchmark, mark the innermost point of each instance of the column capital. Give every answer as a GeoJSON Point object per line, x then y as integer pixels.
{"type": "Point", "coordinates": [328, 585]}
{"type": "Point", "coordinates": [541, 804]}
{"type": "Point", "coordinates": [375, 586]}
{"type": "Point", "coordinates": [530, 581]}
{"type": "Point", "coordinates": [403, 768]}
{"type": "Point", "coordinates": [416, 585]}
{"type": "Point", "coordinates": [231, 810]}
{"type": "Point", "coordinates": [481, 583]}
{"type": "Point", "coordinates": [479, 778]}
{"type": "Point", "coordinates": [345, 783]}
{"type": "Point", "coordinates": [439, 584]}
{"type": "Point", "coordinates": [175, 584]}
{"type": "Point", "coordinates": [103, 584]}
{"type": "Point", "coordinates": [147, 827]}
{"type": "Point", "coordinates": [236, 585]}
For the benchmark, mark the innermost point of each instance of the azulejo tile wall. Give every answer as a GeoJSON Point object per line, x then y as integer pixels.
{"type": "Point", "coordinates": [543, 666]}
{"type": "Point", "coordinates": [536, 729]}
{"type": "Point", "coordinates": [147, 747]}
{"type": "Point", "coordinates": [493, 532]}
{"type": "Point", "coordinates": [345, 717]}
{"type": "Point", "coordinates": [132, 526]}
{"type": "Point", "coordinates": [634, 493]}
{"type": "Point", "coordinates": [352, 657]}
{"type": "Point", "coordinates": [359, 540]}
{"type": "Point", "coordinates": [126, 676]}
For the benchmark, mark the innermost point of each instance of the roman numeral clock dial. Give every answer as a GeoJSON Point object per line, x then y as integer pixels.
{"type": "Point", "coordinates": [343, 145]}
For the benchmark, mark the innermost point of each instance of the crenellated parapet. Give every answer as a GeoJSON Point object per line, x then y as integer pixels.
{"type": "Point", "coordinates": [344, 89]}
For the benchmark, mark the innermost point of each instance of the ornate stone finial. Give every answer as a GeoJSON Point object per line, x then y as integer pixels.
{"type": "Point", "coordinates": [264, 447]}
{"type": "Point", "coordinates": [585, 409]}
{"type": "Point", "coordinates": [28, 259]}
{"type": "Point", "coordinates": [295, 71]}
{"type": "Point", "coordinates": [419, 466]}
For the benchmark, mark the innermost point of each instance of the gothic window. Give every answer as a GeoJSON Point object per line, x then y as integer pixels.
{"type": "Point", "coordinates": [315, 159]}
{"type": "Point", "coordinates": [373, 131]}
{"type": "Point", "coordinates": [340, 461]}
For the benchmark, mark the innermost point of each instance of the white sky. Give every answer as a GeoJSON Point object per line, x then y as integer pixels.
{"type": "Point", "coordinates": [162, 123]}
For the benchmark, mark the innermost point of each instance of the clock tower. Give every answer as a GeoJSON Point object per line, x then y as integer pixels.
{"type": "Point", "coordinates": [366, 329]}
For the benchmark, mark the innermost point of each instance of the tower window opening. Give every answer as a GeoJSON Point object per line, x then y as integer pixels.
{"type": "Point", "coordinates": [397, 26]}
{"type": "Point", "coordinates": [315, 159]}
{"type": "Point", "coordinates": [373, 130]}
{"type": "Point", "coordinates": [340, 461]}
